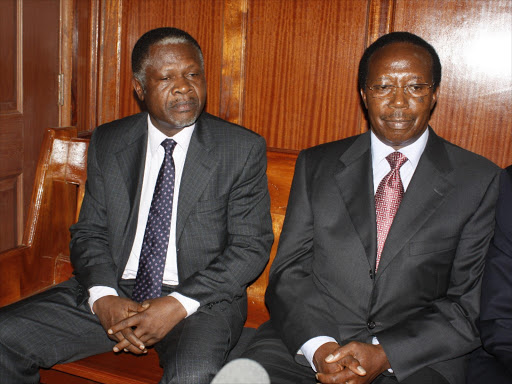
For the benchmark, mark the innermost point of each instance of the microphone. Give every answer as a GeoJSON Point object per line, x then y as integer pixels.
{"type": "Point", "coordinates": [242, 371]}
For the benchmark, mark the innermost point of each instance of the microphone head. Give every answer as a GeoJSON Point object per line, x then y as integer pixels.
{"type": "Point", "coordinates": [242, 371]}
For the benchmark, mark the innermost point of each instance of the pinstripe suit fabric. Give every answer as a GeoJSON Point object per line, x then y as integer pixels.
{"type": "Point", "coordinates": [223, 237]}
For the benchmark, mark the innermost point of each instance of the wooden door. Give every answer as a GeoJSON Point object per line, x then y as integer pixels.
{"type": "Point", "coordinates": [29, 68]}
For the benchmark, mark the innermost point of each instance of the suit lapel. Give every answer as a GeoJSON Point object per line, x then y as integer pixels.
{"type": "Point", "coordinates": [131, 161]}
{"type": "Point", "coordinates": [131, 158]}
{"type": "Point", "coordinates": [355, 180]}
{"type": "Point", "coordinates": [427, 190]}
{"type": "Point", "coordinates": [197, 171]}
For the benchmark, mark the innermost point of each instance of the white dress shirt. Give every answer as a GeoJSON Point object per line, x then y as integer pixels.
{"type": "Point", "coordinates": [381, 168]}
{"type": "Point", "coordinates": [155, 154]}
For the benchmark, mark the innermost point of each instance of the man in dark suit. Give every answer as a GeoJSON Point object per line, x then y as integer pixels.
{"type": "Point", "coordinates": [493, 362]}
{"type": "Point", "coordinates": [377, 275]}
{"type": "Point", "coordinates": [174, 224]}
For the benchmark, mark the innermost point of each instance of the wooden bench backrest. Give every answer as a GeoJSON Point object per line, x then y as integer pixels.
{"type": "Point", "coordinates": [57, 197]}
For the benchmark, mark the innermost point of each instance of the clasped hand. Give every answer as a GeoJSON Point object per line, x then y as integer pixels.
{"type": "Point", "coordinates": [137, 326]}
{"type": "Point", "coordinates": [354, 363]}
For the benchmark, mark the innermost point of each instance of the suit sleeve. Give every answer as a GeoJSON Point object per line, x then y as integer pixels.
{"type": "Point", "coordinates": [496, 303]}
{"type": "Point", "coordinates": [298, 310]}
{"type": "Point", "coordinates": [447, 328]}
{"type": "Point", "coordinates": [249, 237]}
{"type": "Point", "coordinates": [90, 253]}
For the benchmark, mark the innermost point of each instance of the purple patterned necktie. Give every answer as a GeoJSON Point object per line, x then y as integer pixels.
{"type": "Point", "coordinates": [387, 199]}
{"type": "Point", "coordinates": [148, 284]}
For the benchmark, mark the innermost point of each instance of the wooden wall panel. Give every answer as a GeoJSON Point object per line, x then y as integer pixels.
{"type": "Point", "coordinates": [85, 65]}
{"type": "Point", "coordinates": [41, 20]}
{"type": "Point", "coordinates": [11, 124]}
{"type": "Point", "coordinates": [202, 19]}
{"type": "Point", "coordinates": [233, 61]}
{"type": "Point", "coordinates": [29, 63]}
{"type": "Point", "coordinates": [109, 60]}
{"type": "Point", "coordinates": [474, 42]}
{"type": "Point", "coordinates": [9, 62]}
{"type": "Point", "coordinates": [301, 70]}
{"type": "Point", "coordinates": [287, 68]}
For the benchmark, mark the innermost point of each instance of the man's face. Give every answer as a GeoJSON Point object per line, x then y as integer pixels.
{"type": "Point", "coordinates": [400, 119]}
{"type": "Point", "coordinates": [175, 87]}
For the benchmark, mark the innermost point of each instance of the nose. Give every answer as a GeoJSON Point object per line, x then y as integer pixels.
{"type": "Point", "coordinates": [181, 85]}
{"type": "Point", "coordinates": [399, 99]}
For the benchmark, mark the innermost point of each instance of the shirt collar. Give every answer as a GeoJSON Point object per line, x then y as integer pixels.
{"type": "Point", "coordinates": [412, 151]}
{"type": "Point", "coordinates": [155, 137]}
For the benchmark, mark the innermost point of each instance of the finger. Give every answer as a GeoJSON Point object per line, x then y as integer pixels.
{"type": "Point", "coordinates": [333, 378]}
{"type": "Point", "coordinates": [127, 336]}
{"type": "Point", "coordinates": [127, 323]}
{"type": "Point", "coordinates": [124, 344]}
{"type": "Point", "coordinates": [140, 308]}
{"type": "Point", "coordinates": [132, 338]}
{"type": "Point", "coordinates": [353, 364]}
{"type": "Point", "coordinates": [115, 337]}
{"type": "Point", "coordinates": [348, 361]}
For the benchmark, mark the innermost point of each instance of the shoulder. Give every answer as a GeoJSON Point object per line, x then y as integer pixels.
{"type": "Point", "coordinates": [331, 151]}
{"type": "Point", "coordinates": [121, 129]}
{"type": "Point", "coordinates": [469, 164]}
{"type": "Point", "coordinates": [224, 134]}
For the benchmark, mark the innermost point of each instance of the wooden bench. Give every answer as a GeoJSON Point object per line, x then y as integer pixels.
{"type": "Point", "coordinates": [43, 259]}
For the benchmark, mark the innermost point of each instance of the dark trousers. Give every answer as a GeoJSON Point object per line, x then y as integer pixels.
{"type": "Point", "coordinates": [50, 328]}
{"type": "Point", "coordinates": [269, 350]}
{"type": "Point", "coordinates": [485, 369]}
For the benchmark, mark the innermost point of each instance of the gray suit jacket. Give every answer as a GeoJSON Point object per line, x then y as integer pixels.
{"type": "Point", "coordinates": [424, 300]}
{"type": "Point", "coordinates": [223, 230]}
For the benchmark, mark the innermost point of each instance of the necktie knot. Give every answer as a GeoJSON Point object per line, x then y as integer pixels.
{"type": "Point", "coordinates": [396, 160]}
{"type": "Point", "coordinates": [169, 145]}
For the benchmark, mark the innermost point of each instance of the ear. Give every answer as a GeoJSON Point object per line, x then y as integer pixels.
{"type": "Point", "coordinates": [434, 98]}
{"type": "Point", "coordinates": [363, 96]}
{"type": "Point", "coordinates": [139, 89]}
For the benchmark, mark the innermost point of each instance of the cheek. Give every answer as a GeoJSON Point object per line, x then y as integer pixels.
{"type": "Point", "coordinates": [200, 88]}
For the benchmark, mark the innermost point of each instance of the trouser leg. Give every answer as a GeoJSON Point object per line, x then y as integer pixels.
{"type": "Point", "coordinates": [195, 350]}
{"type": "Point", "coordinates": [268, 349]}
{"type": "Point", "coordinates": [47, 329]}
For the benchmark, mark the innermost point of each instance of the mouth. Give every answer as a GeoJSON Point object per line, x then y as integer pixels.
{"type": "Point", "coordinates": [184, 106]}
{"type": "Point", "coordinates": [398, 123]}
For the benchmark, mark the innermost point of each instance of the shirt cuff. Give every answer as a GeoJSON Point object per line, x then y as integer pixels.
{"type": "Point", "coordinates": [189, 304]}
{"type": "Point", "coordinates": [309, 348]}
{"type": "Point", "coordinates": [375, 341]}
{"type": "Point", "coordinates": [99, 291]}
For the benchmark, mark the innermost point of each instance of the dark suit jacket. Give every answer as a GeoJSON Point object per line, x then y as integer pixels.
{"type": "Point", "coordinates": [424, 300]}
{"type": "Point", "coordinates": [223, 230]}
{"type": "Point", "coordinates": [494, 363]}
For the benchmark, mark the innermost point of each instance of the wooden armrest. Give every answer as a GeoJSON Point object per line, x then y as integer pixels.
{"type": "Point", "coordinates": [11, 267]}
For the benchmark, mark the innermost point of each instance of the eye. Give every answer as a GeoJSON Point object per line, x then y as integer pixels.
{"type": "Point", "coordinates": [416, 87]}
{"type": "Point", "coordinates": [165, 78]}
{"type": "Point", "coordinates": [382, 87]}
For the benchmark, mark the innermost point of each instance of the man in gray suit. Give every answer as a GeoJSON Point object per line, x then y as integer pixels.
{"type": "Point", "coordinates": [377, 275]}
{"type": "Point", "coordinates": [175, 223]}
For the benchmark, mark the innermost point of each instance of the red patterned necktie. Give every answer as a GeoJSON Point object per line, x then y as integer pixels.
{"type": "Point", "coordinates": [148, 283]}
{"type": "Point", "coordinates": [387, 199]}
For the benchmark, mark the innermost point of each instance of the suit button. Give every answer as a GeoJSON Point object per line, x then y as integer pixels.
{"type": "Point", "coordinates": [371, 324]}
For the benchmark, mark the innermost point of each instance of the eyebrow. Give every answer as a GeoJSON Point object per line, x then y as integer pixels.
{"type": "Point", "coordinates": [413, 77]}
